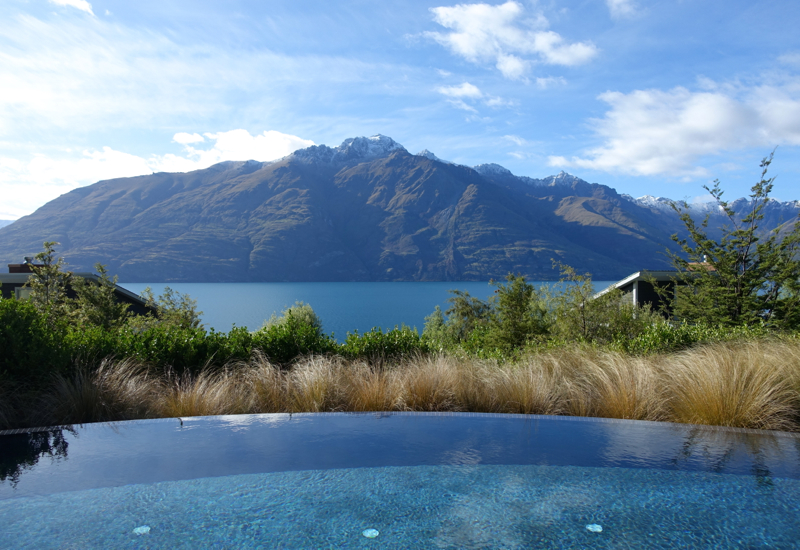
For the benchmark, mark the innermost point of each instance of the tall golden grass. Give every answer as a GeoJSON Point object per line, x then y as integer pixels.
{"type": "Point", "coordinates": [748, 384]}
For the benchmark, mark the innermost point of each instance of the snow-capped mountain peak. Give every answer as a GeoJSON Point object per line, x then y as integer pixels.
{"type": "Point", "coordinates": [492, 169]}
{"type": "Point", "coordinates": [429, 155]}
{"type": "Point", "coordinates": [357, 148]}
{"type": "Point", "coordinates": [368, 147]}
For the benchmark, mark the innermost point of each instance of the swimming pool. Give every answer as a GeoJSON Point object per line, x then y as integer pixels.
{"type": "Point", "coordinates": [398, 480]}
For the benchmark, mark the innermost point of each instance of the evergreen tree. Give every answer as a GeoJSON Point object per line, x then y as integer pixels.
{"type": "Point", "coordinates": [744, 278]}
{"type": "Point", "coordinates": [96, 303]}
{"type": "Point", "coordinates": [48, 284]}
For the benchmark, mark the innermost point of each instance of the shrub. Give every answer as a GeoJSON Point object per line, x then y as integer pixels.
{"type": "Point", "coordinates": [667, 337]}
{"type": "Point", "coordinates": [300, 312]}
{"type": "Point", "coordinates": [378, 345]}
{"type": "Point", "coordinates": [500, 326]}
{"type": "Point", "coordinates": [283, 342]}
{"type": "Point", "coordinates": [578, 315]}
{"type": "Point", "coordinates": [30, 348]}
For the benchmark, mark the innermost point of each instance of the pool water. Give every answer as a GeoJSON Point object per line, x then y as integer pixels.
{"type": "Point", "coordinates": [418, 480]}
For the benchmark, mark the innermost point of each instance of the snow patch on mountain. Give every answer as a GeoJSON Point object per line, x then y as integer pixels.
{"type": "Point", "coordinates": [664, 204]}
{"type": "Point", "coordinates": [429, 155]}
{"type": "Point", "coordinates": [492, 169]}
{"type": "Point", "coordinates": [358, 148]}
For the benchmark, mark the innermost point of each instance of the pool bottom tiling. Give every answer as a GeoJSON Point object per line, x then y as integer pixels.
{"type": "Point", "coordinates": [444, 506]}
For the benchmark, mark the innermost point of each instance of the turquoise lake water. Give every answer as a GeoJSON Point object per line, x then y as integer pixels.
{"type": "Point", "coordinates": [343, 307]}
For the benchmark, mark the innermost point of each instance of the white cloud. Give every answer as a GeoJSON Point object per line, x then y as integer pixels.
{"type": "Point", "coordinates": [27, 185]}
{"type": "Point", "coordinates": [653, 132]}
{"type": "Point", "coordinates": [82, 5]}
{"type": "Point", "coordinates": [520, 142]}
{"type": "Point", "coordinates": [499, 102]}
{"type": "Point", "coordinates": [458, 94]}
{"type": "Point", "coordinates": [183, 138]}
{"type": "Point", "coordinates": [94, 74]}
{"type": "Point", "coordinates": [232, 145]}
{"type": "Point", "coordinates": [621, 8]}
{"type": "Point", "coordinates": [482, 33]}
{"type": "Point", "coordinates": [790, 58]}
{"type": "Point", "coordinates": [463, 90]}
{"type": "Point", "coordinates": [550, 81]}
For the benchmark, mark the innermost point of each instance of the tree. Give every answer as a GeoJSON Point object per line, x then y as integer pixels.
{"type": "Point", "coordinates": [519, 313]}
{"type": "Point", "coordinates": [300, 313]}
{"type": "Point", "coordinates": [172, 308]}
{"type": "Point", "coordinates": [507, 321]}
{"type": "Point", "coordinates": [49, 284]}
{"type": "Point", "coordinates": [96, 303]}
{"type": "Point", "coordinates": [745, 278]}
{"type": "Point", "coordinates": [579, 315]}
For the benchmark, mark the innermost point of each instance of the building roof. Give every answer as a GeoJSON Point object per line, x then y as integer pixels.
{"type": "Point", "coordinates": [663, 275]}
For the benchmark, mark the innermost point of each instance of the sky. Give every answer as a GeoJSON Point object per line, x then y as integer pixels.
{"type": "Point", "coordinates": [648, 97]}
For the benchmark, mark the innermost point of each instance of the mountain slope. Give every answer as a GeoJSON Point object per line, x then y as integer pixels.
{"type": "Point", "coordinates": [364, 211]}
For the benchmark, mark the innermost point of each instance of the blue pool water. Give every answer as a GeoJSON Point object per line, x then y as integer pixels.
{"type": "Point", "coordinates": [419, 480]}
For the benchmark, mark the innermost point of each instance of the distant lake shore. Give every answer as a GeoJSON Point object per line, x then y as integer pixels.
{"type": "Point", "coordinates": [342, 307]}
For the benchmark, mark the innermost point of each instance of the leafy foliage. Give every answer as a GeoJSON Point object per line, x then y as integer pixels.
{"type": "Point", "coordinates": [95, 304]}
{"type": "Point", "coordinates": [300, 312]}
{"type": "Point", "coordinates": [518, 316]}
{"type": "Point", "coordinates": [743, 279]}
{"type": "Point", "coordinates": [30, 348]}
{"type": "Point", "coordinates": [512, 317]}
{"type": "Point", "coordinates": [172, 307]}
{"type": "Point", "coordinates": [577, 315]}
{"type": "Point", "coordinates": [48, 285]}
{"type": "Point", "coordinates": [378, 345]}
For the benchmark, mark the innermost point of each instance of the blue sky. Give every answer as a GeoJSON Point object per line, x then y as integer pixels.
{"type": "Point", "coordinates": [654, 97]}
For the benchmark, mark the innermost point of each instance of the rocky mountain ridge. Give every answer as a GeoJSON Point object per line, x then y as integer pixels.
{"type": "Point", "coordinates": [367, 210]}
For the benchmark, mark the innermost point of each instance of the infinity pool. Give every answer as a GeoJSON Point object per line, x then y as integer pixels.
{"type": "Point", "coordinates": [398, 480]}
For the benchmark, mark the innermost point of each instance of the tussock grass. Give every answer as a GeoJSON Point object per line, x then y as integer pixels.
{"type": "Point", "coordinates": [746, 385]}
{"type": "Point", "coordinates": [751, 384]}
{"type": "Point", "coordinates": [115, 391]}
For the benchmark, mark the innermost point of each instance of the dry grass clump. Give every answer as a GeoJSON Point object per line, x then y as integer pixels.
{"type": "Point", "coordinates": [207, 393]}
{"type": "Point", "coordinates": [372, 388]}
{"type": "Point", "coordinates": [534, 386]}
{"type": "Point", "coordinates": [743, 384]}
{"type": "Point", "coordinates": [612, 385]}
{"type": "Point", "coordinates": [267, 384]}
{"type": "Point", "coordinates": [430, 384]}
{"type": "Point", "coordinates": [115, 391]}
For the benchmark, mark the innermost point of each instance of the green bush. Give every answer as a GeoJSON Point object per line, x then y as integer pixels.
{"type": "Point", "coordinates": [667, 337]}
{"type": "Point", "coordinates": [500, 326]}
{"type": "Point", "coordinates": [30, 348]}
{"type": "Point", "coordinates": [283, 342]}
{"type": "Point", "coordinates": [379, 345]}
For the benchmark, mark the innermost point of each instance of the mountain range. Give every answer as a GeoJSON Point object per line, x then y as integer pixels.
{"type": "Point", "coordinates": [367, 210]}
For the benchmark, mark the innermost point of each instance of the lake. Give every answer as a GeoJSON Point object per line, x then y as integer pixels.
{"type": "Point", "coordinates": [343, 307]}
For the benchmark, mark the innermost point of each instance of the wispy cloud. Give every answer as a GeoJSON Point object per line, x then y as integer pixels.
{"type": "Point", "coordinates": [466, 91]}
{"type": "Point", "coordinates": [550, 81]}
{"type": "Point", "coordinates": [504, 36]}
{"type": "Point", "coordinates": [53, 175]}
{"type": "Point", "coordinates": [82, 5]}
{"type": "Point", "coordinates": [462, 90]}
{"type": "Point", "coordinates": [621, 8]}
{"type": "Point", "coordinates": [655, 132]}
{"type": "Point", "coordinates": [97, 75]}
{"type": "Point", "coordinates": [520, 142]}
